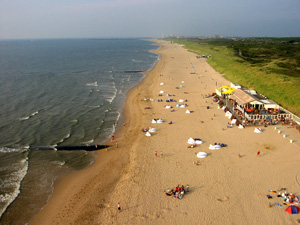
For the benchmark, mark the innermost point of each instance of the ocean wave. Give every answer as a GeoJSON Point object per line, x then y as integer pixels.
{"type": "Point", "coordinates": [93, 106]}
{"type": "Point", "coordinates": [63, 139]}
{"type": "Point", "coordinates": [135, 60]}
{"type": "Point", "coordinates": [114, 93]}
{"type": "Point", "coordinates": [88, 142]}
{"type": "Point", "coordinates": [60, 163]}
{"type": "Point", "coordinates": [28, 117]}
{"type": "Point", "coordinates": [158, 57]}
{"type": "Point", "coordinates": [7, 150]}
{"type": "Point", "coordinates": [94, 84]}
{"type": "Point", "coordinates": [13, 182]}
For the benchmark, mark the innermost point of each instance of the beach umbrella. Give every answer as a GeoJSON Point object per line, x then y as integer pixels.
{"type": "Point", "coordinates": [292, 209]}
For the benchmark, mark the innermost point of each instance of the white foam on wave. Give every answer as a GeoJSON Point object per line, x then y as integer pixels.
{"type": "Point", "coordinates": [6, 150]}
{"type": "Point", "coordinates": [28, 117]}
{"type": "Point", "coordinates": [136, 60]}
{"type": "Point", "coordinates": [158, 57]}
{"type": "Point", "coordinates": [93, 106]}
{"type": "Point", "coordinates": [13, 182]}
{"type": "Point", "coordinates": [63, 139]}
{"type": "Point", "coordinates": [114, 94]}
{"type": "Point", "coordinates": [88, 142]}
{"type": "Point", "coordinates": [24, 118]}
{"type": "Point", "coordinates": [94, 84]}
{"type": "Point", "coordinates": [60, 163]}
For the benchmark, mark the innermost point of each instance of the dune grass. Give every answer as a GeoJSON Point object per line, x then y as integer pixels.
{"type": "Point", "coordinates": [274, 73]}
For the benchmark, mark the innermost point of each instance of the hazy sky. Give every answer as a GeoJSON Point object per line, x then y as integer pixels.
{"type": "Point", "coordinates": [148, 18]}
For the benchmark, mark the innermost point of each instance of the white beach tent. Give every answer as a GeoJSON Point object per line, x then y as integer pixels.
{"type": "Point", "coordinates": [181, 100]}
{"type": "Point", "coordinates": [257, 130]}
{"type": "Point", "coordinates": [187, 111]}
{"type": "Point", "coordinates": [162, 84]}
{"type": "Point", "coordinates": [241, 126]}
{"type": "Point", "coordinates": [233, 121]}
{"type": "Point", "coordinates": [168, 107]}
{"type": "Point", "coordinates": [161, 92]}
{"type": "Point", "coordinates": [214, 147]}
{"type": "Point", "coordinates": [201, 155]}
{"type": "Point", "coordinates": [191, 141]}
{"type": "Point", "coordinates": [160, 121]}
{"type": "Point", "coordinates": [182, 106]}
{"type": "Point", "coordinates": [198, 142]}
{"type": "Point", "coordinates": [152, 129]}
{"type": "Point", "coordinates": [148, 134]}
{"type": "Point", "coordinates": [154, 121]}
{"type": "Point", "coordinates": [228, 114]}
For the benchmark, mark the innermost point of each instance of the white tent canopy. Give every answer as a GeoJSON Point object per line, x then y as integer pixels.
{"type": "Point", "coordinates": [202, 155]}
{"type": "Point", "coordinates": [152, 129]}
{"type": "Point", "coordinates": [214, 147]}
{"type": "Point", "coordinates": [257, 130]}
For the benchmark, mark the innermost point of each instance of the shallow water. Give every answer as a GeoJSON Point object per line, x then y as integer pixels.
{"type": "Point", "coordinates": [58, 92]}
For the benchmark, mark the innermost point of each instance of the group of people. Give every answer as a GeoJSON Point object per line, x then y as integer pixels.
{"type": "Point", "coordinates": [289, 198]}
{"type": "Point", "coordinates": [178, 192]}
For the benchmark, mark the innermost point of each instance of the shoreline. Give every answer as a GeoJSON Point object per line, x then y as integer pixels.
{"type": "Point", "coordinates": [131, 175]}
{"type": "Point", "coordinates": [100, 163]}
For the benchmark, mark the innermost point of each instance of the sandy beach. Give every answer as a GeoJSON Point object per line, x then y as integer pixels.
{"type": "Point", "coordinates": [229, 186]}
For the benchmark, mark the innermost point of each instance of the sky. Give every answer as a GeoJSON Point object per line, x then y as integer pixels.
{"type": "Point", "coordinates": [148, 18]}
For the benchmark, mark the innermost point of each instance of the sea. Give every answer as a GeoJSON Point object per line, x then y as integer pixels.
{"type": "Point", "coordinates": [59, 92]}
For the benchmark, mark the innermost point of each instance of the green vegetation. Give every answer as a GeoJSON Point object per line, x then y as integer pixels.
{"type": "Point", "coordinates": [271, 66]}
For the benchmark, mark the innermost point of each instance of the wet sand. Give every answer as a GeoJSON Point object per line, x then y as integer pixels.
{"type": "Point", "coordinates": [229, 186]}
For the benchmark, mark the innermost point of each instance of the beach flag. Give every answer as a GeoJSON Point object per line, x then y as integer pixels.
{"type": "Point", "coordinates": [292, 209]}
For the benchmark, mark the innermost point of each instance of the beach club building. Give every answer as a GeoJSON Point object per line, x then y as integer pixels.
{"type": "Point", "coordinates": [250, 106]}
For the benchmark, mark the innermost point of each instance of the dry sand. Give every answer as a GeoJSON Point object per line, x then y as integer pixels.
{"type": "Point", "coordinates": [224, 188]}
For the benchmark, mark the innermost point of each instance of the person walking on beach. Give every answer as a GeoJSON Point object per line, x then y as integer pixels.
{"type": "Point", "coordinates": [161, 154]}
{"type": "Point", "coordinates": [119, 207]}
{"type": "Point", "coordinates": [258, 153]}
{"type": "Point", "coordinates": [155, 153]}
{"type": "Point", "coordinates": [116, 144]}
{"type": "Point", "coordinates": [112, 138]}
